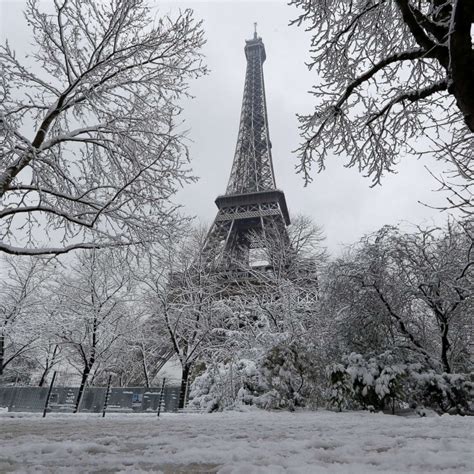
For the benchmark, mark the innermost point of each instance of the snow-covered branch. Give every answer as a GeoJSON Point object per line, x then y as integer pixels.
{"type": "Point", "coordinates": [402, 54]}
{"type": "Point", "coordinates": [106, 153]}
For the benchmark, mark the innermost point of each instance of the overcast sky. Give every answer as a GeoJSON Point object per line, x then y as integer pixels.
{"type": "Point", "coordinates": [339, 199]}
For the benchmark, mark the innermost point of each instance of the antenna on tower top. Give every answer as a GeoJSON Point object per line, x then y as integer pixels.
{"type": "Point", "coordinates": [255, 30]}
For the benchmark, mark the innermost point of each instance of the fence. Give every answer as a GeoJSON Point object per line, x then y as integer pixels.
{"type": "Point", "coordinates": [63, 399]}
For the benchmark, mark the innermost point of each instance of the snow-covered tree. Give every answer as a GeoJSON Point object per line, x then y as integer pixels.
{"type": "Point", "coordinates": [142, 354]}
{"type": "Point", "coordinates": [279, 299]}
{"type": "Point", "coordinates": [389, 73]}
{"type": "Point", "coordinates": [22, 290]}
{"type": "Point", "coordinates": [413, 291]}
{"type": "Point", "coordinates": [94, 313]}
{"type": "Point", "coordinates": [48, 355]}
{"type": "Point", "coordinates": [91, 150]}
{"type": "Point", "coordinates": [183, 295]}
{"type": "Point", "coordinates": [267, 317]}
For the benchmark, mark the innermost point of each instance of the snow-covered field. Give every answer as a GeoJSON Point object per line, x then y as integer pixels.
{"type": "Point", "coordinates": [236, 442]}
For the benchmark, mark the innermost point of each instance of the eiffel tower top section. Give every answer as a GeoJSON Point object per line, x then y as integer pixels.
{"type": "Point", "coordinates": [252, 169]}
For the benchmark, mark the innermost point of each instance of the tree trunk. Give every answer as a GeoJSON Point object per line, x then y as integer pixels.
{"type": "Point", "coordinates": [48, 366]}
{"type": "Point", "coordinates": [145, 372]}
{"type": "Point", "coordinates": [88, 362]}
{"type": "Point", "coordinates": [43, 376]}
{"type": "Point", "coordinates": [184, 385]}
{"type": "Point", "coordinates": [445, 346]}
{"type": "Point", "coordinates": [2, 353]}
{"type": "Point", "coordinates": [85, 375]}
{"type": "Point", "coordinates": [461, 59]}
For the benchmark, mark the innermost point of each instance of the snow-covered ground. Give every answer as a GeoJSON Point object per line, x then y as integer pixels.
{"type": "Point", "coordinates": [236, 442]}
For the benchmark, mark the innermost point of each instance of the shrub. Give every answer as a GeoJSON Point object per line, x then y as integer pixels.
{"type": "Point", "coordinates": [374, 383]}
{"type": "Point", "coordinates": [444, 393]}
{"type": "Point", "coordinates": [380, 381]}
{"type": "Point", "coordinates": [222, 385]}
{"type": "Point", "coordinates": [279, 379]}
{"type": "Point", "coordinates": [283, 371]}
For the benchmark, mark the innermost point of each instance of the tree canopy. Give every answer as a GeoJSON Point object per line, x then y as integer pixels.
{"type": "Point", "coordinates": [91, 147]}
{"type": "Point", "coordinates": [396, 78]}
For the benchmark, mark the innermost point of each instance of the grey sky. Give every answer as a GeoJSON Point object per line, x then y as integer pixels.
{"type": "Point", "coordinates": [339, 199]}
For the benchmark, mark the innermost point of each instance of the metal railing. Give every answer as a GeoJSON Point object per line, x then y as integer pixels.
{"type": "Point", "coordinates": [94, 399]}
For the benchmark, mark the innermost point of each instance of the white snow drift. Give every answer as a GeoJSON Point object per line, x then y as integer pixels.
{"type": "Point", "coordinates": [236, 442]}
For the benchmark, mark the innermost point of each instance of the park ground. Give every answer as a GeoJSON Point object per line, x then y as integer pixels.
{"type": "Point", "coordinates": [236, 442]}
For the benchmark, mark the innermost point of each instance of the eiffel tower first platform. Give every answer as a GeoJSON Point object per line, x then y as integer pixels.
{"type": "Point", "coordinates": [252, 204]}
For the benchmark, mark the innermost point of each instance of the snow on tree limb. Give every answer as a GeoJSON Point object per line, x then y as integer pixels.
{"type": "Point", "coordinates": [391, 52]}
{"type": "Point", "coordinates": [107, 154]}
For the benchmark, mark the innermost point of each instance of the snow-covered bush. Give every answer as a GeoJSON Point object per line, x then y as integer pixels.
{"type": "Point", "coordinates": [340, 393]}
{"type": "Point", "coordinates": [224, 385]}
{"type": "Point", "coordinates": [284, 377]}
{"type": "Point", "coordinates": [279, 379]}
{"type": "Point", "coordinates": [444, 393]}
{"type": "Point", "coordinates": [375, 382]}
{"type": "Point", "coordinates": [381, 381]}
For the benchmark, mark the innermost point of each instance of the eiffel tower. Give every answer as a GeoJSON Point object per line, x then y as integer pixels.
{"type": "Point", "coordinates": [252, 205]}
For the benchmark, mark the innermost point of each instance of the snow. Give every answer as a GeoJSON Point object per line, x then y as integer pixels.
{"type": "Point", "coordinates": [253, 441]}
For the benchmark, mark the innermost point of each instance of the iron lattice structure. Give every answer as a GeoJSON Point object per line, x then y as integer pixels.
{"type": "Point", "coordinates": [252, 205]}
